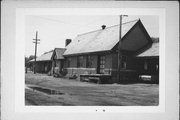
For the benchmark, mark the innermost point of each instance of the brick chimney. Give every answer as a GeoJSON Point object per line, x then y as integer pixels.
{"type": "Point", "coordinates": [67, 42]}
{"type": "Point", "coordinates": [103, 27]}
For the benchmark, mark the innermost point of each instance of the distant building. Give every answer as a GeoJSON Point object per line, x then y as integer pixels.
{"type": "Point", "coordinates": [57, 60]}
{"type": "Point", "coordinates": [49, 62]}
{"type": "Point", "coordinates": [43, 62]}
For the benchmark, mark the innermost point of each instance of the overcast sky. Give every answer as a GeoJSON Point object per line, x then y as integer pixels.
{"type": "Point", "coordinates": [53, 30]}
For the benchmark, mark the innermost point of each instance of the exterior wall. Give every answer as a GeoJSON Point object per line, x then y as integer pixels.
{"type": "Point", "coordinates": [130, 63]}
{"type": "Point", "coordinates": [108, 64]}
{"type": "Point", "coordinates": [73, 62]}
{"type": "Point", "coordinates": [114, 67]}
{"type": "Point", "coordinates": [58, 63]}
{"type": "Point", "coordinates": [127, 74]}
{"type": "Point", "coordinates": [78, 71]}
{"type": "Point", "coordinates": [148, 66]}
{"type": "Point", "coordinates": [135, 40]}
{"type": "Point", "coordinates": [57, 66]}
{"type": "Point", "coordinates": [151, 66]}
{"type": "Point", "coordinates": [94, 61]}
{"type": "Point", "coordinates": [43, 66]}
{"type": "Point", "coordinates": [134, 67]}
{"type": "Point", "coordinates": [73, 69]}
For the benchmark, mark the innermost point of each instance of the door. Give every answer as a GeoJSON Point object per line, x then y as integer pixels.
{"type": "Point", "coordinates": [101, 64]}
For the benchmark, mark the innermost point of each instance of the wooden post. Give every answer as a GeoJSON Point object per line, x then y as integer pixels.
{"type": "Point", "coordinates": [36, 42]}
{"type": "Point", "coordinates": [119, 50]}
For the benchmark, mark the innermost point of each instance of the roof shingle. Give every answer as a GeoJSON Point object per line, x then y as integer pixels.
{"type": "Point", "coordinates": [151, 52]}
{"type": "Point", "coordinates": [44, 57]}
{"type": "Point", "coordinates": [59, 53]}
{"type": "Point", "coordinates": [100, 40]}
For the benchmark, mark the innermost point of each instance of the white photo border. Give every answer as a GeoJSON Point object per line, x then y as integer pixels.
{"type": "Point", "coordinates": [21, 13]}
{"type": "Point", "coordinates": [12, 88]}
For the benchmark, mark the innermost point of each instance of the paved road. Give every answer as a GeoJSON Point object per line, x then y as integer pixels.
{"type": "Point", "coordinates": [89, 94]}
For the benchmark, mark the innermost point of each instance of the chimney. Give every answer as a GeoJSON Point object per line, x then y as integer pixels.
{"type": "Point", "coordinates": [103, 27]}
{"type": "Point", "coordinates": [67, 42]}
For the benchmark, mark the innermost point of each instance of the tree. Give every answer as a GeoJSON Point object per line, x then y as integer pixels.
{"type": "Point", "coordinates": [31, 57]}
{"type": "Point", "coordinates": [27, 59]}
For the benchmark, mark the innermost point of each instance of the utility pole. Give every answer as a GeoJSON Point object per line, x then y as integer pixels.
{"type": "Point", "coordinates": [36, 42]}
{"type": "Point", "coordinates": [119, 49]}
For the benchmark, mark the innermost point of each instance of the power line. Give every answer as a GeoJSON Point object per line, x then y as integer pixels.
{"type": "Point", "coordinates": [59, 21]}
{"type": "Point", "coordinates": [74, 24]}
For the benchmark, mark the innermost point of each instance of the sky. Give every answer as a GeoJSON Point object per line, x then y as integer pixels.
{"type": "Point", "coordinates": [54, 30]}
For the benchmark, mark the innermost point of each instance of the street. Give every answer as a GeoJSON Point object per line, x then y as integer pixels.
{"type": "Point", "coordinates": [70, 92]}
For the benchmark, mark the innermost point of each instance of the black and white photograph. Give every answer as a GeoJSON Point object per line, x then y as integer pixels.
{"type": "Point", "coordinates": [92, 60]}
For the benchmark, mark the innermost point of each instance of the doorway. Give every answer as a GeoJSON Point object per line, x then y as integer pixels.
{"type": "Point", "coordinates": [101, 64]}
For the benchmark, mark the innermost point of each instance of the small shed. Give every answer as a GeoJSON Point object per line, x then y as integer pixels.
{"type": "Point", "coordinates": [57, 60]}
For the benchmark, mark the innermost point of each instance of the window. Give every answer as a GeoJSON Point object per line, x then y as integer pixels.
{"type": "Point", "coordinates": [57, 63]}
{"type": "Point", "coordinates": [123, 62]}
{"type": "Point", "coordinates": [80, 61]}
{"type": "Point", "coordinates": [68, 62]}
{"type": "Point", "coordinates": [145, 65]}
{"type": "Point", "coordinates": [157, 67]}
{"type": "Point", "coordinates": [89, 62]}
{"type": "Point", "coordinates": [102, 64]}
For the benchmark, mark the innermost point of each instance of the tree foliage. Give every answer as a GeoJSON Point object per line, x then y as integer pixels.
{"type": "Point", "coordinates": [27, 59]}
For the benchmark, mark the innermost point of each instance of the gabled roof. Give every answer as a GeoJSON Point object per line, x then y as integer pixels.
{"type": "Point", "coordinates": [44, 57]}
{"type": "Point", "coordinates": [100, 40]}
{"type": "Point", "coordinates": [151, 52]}
{"type": "Point", "coordinates": [59, 53]}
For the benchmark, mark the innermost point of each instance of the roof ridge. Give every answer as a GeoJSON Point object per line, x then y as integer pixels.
{"type": "Point", "coordinates": [131, 21]}
{"type": "Point", "coordinates": [47, 52]}
{"type": "Point", "coordinates": [108, 27]}
{"type": "Point", "coordinates": [59, 48]}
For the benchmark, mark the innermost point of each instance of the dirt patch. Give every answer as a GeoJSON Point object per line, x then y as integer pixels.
{"type": "Point", "coordinates": [46, 90]}
{"type": "Point", "coordinates": [76, 93]}
{"type": "Point", "coordinates": [37, 98]}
